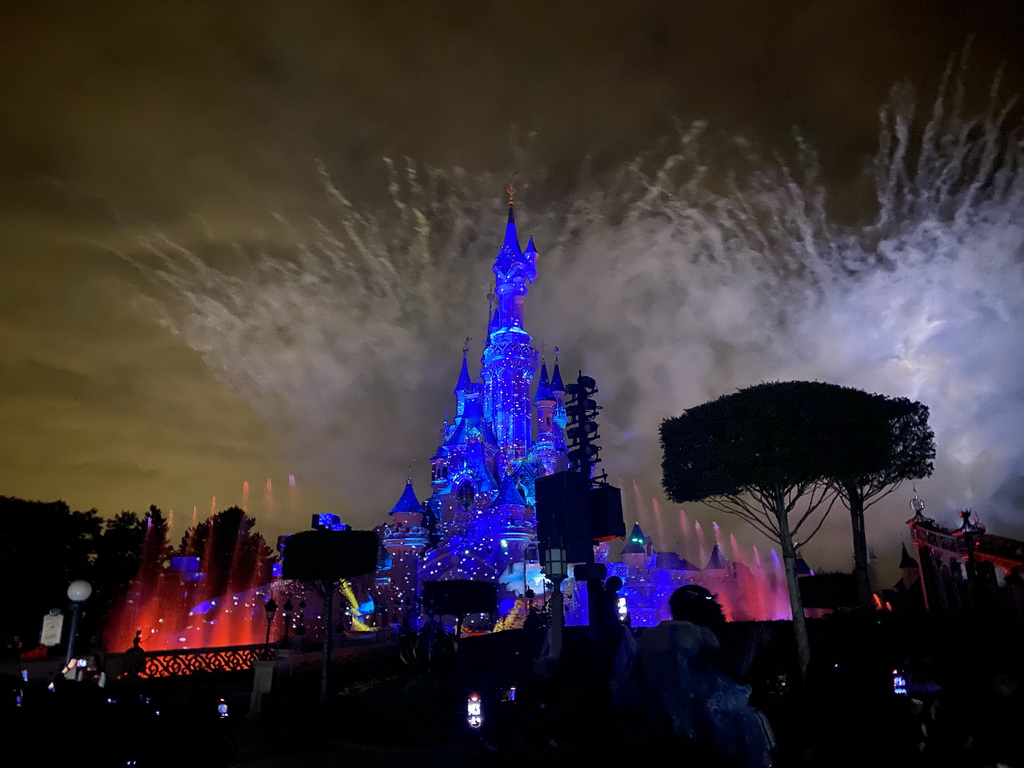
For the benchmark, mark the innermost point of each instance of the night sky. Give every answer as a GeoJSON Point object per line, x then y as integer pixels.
{"type": "Point", "coordinates": [243, 240]}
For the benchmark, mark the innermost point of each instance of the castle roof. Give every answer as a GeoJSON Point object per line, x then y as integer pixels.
{"type": "Point", "coordinates": [802, 568]}
{"type": "Point", "coordinates": [464, 384]}
{"type": "Point", "coordinates": [407, 502]}
{"type": "Point", "coordinates": [544, 386]}
{"type": "Point", "coordinates": [717, 561]}
{"type": "Point", "coordinates": [673, 562]}
{"type": "Point", "coordinates": [906, 561]}
{"type": "Point", "coordinates": [470, 424]}
{"type": "Point", "coordinates": [511, 263]}
{"type": "Point", "coordinates": [556, 380]}
{"type": "Point", "coordinates": [509, 494]}
{"type": "Point", "coordinates": [636, 544]}
{"type": "Point", "coordinates": [511, 238]}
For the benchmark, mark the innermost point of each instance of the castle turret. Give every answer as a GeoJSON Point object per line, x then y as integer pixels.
{"type": "Point", "coordinates": [560, 417]}
{"type": "Point", "coordinates": [544, 401]}
{"type": "Point", "coordinates": [464, 385]}
{"type": "Point", "coordinates": [509, 360]}
{"type": "Point", "coordinates": [405, 538]}
{"type": "Point", "coordinates": [637, 550]}
{"type": "Point", "coordinates": [511, 530]}
{"type": "Point", "coordinates": [406, 533]}
{"type": "Point", "coordinates": [717, 561]}
{"type": "Point", "coordinates": [549, 448]}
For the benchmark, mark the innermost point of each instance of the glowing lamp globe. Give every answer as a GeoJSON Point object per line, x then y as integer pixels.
{"type": "Point", "coordinates": [79, 590]}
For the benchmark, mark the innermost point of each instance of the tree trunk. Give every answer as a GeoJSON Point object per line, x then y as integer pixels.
{"type": "Point", "coordinates": [803, 644]}
{"type": "Point", "coordinates": [860, 548]}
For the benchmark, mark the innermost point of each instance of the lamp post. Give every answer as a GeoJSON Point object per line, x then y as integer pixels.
{"type": "Point", "coordinates": [556, 569]}
{"type": "Point", "coordinates": [271, 608]}
{"type": "Point", "coordinates": [78, 592]}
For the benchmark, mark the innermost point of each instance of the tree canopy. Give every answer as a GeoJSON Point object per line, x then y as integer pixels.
{"type": "Point", "coordinates": [228, 543]}
{"type": "Point", "coordinates": [770, 454]}
{"type": "Point", "coordinates": [907, 455]}
{"type": "Point", "coordinates": [767, 445]}
{"type": "Point", "coordinates": [909, 447]}
{"type": "Point", "coordinates": [129, 543]}
{"type": "Point", "coordinates": [44, 546]}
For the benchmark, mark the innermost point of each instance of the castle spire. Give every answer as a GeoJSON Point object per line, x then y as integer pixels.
{"type": "Point", "coordinates": [556, 380]}
{"type": "Point", "coordinates": [514, 272]}
{"type": "Point", "coordinates": [511, 238]}
{"type": "Point", "coordinates": [407, 502]}
{"type": "Point", "coordinates": [544, 392]}
{"type": "Point", "coordinates": [510, 361]}
{"type": "Point", "coordinates": [464, 384]}
{"type": "Point", "coordinates": [906, 561]}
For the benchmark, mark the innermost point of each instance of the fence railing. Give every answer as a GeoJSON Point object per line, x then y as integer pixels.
{"type": "Point", "coordinates": [190, 661]}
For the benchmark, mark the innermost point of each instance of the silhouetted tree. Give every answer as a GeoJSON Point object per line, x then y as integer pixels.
{"type": "Point", "coordinates": [908, 452]}
{"type": "Point", "coordinates": [44, 546]}
{"type": "Point", "coordinates": [131, 548]}
{"type": "Point", "coordinates": [133, 554]}
{"type": "Point", "coordinates": [768, 454]}
{"type": "Point", "coordinates": [227, 543]}
{"type": "Point", "coordinates": [156, 546]}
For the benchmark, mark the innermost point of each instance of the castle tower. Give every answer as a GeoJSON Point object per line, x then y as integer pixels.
{"type": "Point", "coordinates": [637, 551]}
{"type": "Point", "coordinates": [509, 360]}
{"type": "Point", "coordinates": [479, 520]}
{"type": "Point", "coordinates": [512, 531]}
{"type": "Point", "coordinates": [544, 400]}
{"type": "Point", "coordinates": [404, 538]}
{"type": "Point", "coordinates": [464, 385]}
{"type": "Point", "coordinates": [560, 417]}
{"type": "Point", "coordinates": [549, 448]}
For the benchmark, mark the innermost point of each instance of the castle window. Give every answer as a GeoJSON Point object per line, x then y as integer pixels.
{"type": "Point", "coordinates": [465, 494]}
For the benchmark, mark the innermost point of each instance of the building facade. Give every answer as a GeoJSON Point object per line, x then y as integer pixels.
{"type": "Point", "coordinates": [966, 568]}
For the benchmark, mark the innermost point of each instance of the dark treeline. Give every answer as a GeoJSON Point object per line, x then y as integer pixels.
{"type": "Point", "coordinates": [44, 546]}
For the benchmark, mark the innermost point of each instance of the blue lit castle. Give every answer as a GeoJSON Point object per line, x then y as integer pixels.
{"type": "Point", "coordinates": [478, 522]}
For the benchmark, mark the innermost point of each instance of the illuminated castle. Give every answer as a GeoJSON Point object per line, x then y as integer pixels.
{"type": "Point", "coordinates": [479, 523]}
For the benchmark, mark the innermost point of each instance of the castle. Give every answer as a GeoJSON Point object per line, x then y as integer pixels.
{"type": "Point", "coordinates": [478, 522]}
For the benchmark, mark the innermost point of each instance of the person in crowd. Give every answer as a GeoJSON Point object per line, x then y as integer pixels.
{"type": "Point", "coordinates": [681, 690]}
{"type": "Point", "coordinates": [617, 647]}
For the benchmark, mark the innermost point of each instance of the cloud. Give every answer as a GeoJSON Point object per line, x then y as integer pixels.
{"type": "Point", "coordinates": [339, 318]}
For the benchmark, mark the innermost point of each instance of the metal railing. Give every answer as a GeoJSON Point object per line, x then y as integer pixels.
{"type": "Point", "coordinates": [190, 661]}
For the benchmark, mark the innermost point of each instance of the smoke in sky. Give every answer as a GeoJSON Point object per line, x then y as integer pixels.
{"type": "Point", "coordinates": [671, 280]}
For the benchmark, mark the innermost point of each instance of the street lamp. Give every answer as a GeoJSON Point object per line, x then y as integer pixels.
{"type": "Point", "coordinates": [78, 592]}
{"type": "Point", "coordinates": [557, 569]}
{"type": "Point", "coordinates": [271, 608]}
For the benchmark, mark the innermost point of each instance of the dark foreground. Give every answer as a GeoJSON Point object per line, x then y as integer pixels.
{"type": "Point", "coordinates": [962, 707]}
